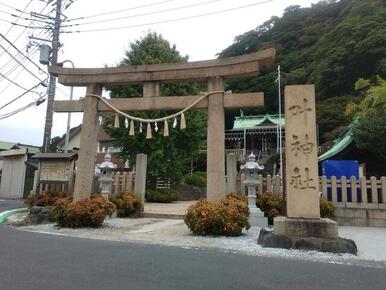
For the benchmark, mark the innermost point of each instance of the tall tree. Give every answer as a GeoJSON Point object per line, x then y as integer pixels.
{"type": "Point", "coordinates": [369, 132]}
{"type": "Point", "coordinates": [167, 156]}
{"type": "Point", "coordinates": [330, 44]}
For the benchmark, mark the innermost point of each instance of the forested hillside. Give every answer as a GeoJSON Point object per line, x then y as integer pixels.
{"type": "Point", "coordinates": [331, 44]}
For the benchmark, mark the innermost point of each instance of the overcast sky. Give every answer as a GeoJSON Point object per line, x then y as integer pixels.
{"type": "Point", "coordinates": [201, 38]}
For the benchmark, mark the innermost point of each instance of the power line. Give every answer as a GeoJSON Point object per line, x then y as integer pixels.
{"type": "Point", "coordinates": [38, 102]}
{"type": "Point", "coordinates": [26, 46]}
{"type": "Point", "coordinates": [146, 14]}
{"type": "Point", "coordinates": [16, 65]}
{"type": "Point", "coordinates": [14, 69]}
{"type": "Point", "coordinates": [11, 81]}
{"type": "Point", "coordinates": [6, 5]}
{"type": "Point", "coordinates": [20, 52]}
{"type": "Point", "coordinates": [172, 20]}
{"type": "Point", "coordinates": [21, 95]}
{"type": "Point", "coordinates": [21, 33]}
{"type": "Point", "coordinates": [121, 10]}
{"type": "Point", "coordinates": [23, 25]}
{"type": "Point", "coordinates": [27, 69]}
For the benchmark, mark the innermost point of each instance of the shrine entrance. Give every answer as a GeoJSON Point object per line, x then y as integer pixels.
{"type": "Point", "coordinates": [214, 72]}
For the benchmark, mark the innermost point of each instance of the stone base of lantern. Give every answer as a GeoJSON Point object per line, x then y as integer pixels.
{"type": "Point", "coordinates": [306, 234]}
{"type": "Point", "coordinates": [256, 218]}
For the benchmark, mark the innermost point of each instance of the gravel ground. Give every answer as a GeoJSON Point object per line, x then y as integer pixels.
{"type": "Point", "coordinates": [370, 241]}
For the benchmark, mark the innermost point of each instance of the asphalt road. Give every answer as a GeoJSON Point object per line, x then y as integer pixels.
{"type": "Point", "coordinates": [7, 204]}
{"type": "Point", "coordinates": [38, 261]}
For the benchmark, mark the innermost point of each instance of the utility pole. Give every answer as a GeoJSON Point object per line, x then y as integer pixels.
{"type": "Point", "coordinates": [52, 82]}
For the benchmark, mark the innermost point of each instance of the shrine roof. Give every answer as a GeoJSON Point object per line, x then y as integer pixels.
{"type": "Point", "coordinates": [248, 122]}
{"type": "Point", "coordinates": [340, 144]}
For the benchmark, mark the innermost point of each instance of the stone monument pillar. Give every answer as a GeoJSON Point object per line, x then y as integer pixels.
{"type": "Point", "coordinates": [303, 228]}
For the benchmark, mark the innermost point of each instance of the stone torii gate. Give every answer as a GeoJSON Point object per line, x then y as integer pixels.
{"type": "Point", "coordinates": [214, 72]}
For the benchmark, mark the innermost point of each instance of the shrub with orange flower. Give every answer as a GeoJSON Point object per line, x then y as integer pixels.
{"type": "Point", "coordinates": [127, 204]}
{"type": "Point", "coordinates": [227, 216]}
{"type": "Point", "coordinates": [87, 212]}
{"type": "Point", "coordinates": [45, 199]}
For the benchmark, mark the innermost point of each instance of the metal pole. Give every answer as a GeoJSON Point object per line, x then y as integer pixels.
{"type": "Point", "coordinates": [69, 114]}
{"type": "Point", "coordinates": [52, 82]}
{"type": "Point", "coordinates": [280, 129]}
{"type": "Point", "coordinates": [245, 144]}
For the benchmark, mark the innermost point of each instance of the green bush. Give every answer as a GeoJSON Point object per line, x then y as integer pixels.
{"type": "Point", "coordinates": [198, 178]}
{"type": "Point", "coordinates": [326, 208]}
{"type": "Point", "coordinates": [226, 217]}
{"type": "Point", "coordinates": [271, 204]}
{"type": "Point", "coordinates": [87, 212]}
{"type": "Point", "coordinates": [162, 195]}
{"type": "Point", "coordinates": [127, 205]}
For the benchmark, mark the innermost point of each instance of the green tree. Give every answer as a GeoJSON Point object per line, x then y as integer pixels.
{"type": "Point", "coordinates": [54, 143]}
{"type": "Point", "coordinates": [330, 44]}
{"type": "Point", "coordinates": [369, 132]}
{"type": "Point", "coordinates": [167, 156]}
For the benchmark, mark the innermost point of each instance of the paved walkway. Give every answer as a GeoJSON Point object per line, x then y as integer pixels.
{"type": "Point", "coordinates": [167, 210]}
{"type": "Point", "coordinates": [8, 204]}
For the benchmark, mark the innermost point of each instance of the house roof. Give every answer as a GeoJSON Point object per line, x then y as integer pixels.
{"type": "Point", "coordinates": [249, 122]}
{"type": "Point", "coordinates": [31, 149]}
{"type": "Point", "coordinates": [73, 132]}
{"type": "Point", "coordinates": [6, 145]}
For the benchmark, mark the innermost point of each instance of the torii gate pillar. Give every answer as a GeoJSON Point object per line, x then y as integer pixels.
{"type": "Point", "coordinates": [88, 144]}
{"type": "Point", "coordinates": [215, 141]}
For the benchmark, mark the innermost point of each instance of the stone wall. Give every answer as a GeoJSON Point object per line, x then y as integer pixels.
{"type": "Point", "coordinates": [363, 215]}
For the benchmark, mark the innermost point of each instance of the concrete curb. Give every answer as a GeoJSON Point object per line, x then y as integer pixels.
{"type": "Point", "coordinates": [5, 214]}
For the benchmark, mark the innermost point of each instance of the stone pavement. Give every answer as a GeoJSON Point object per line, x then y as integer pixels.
{"type": "Point", "coordinates": [175, 210]}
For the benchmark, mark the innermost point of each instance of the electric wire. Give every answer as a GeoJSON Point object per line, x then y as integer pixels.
{"type": "Point", "coordinates": [10, 28]}
{"type": "Point", "coordinates": [15, 69]}
{"type": "Point", "coordinates": [22, 32]}
{"type": "Point", "coordinates": [21, 95]}
{"type": "Point", "coordinates": [121, 10]}
{"type": "Point", "coordinates": [170, 20]}
{"type": "Point", "coordinates": [35, 103]}
{"type": "Point", "coordinates": [27, 69]}
{"type": "Point", "coordinates": [145, 14]}
{"type": "Point", "coordinates": [12, 69]}
{"type": "Point", "coordinates": [11, 81]}
{"type": "Point", "coordinates": [20, 52]}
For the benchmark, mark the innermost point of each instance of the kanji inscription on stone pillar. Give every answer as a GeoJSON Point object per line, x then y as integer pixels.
{"type": "Point", "coordinates": [301, 152]}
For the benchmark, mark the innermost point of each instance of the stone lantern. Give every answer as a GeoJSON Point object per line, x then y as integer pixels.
{"type": "Point", "coordinates": [106, 175]}
{"type": "Point", "coordinates": [251, 169]}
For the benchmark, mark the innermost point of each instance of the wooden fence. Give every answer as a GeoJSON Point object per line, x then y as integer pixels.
{"type": "Point", "coordinates": [268, 183]}
{"type": "Point", "coordinates": [338, 190]}
{"type": "Point", "coordinates": [354, 190]}
{"type": "Point", "coordinates": [122, 182]}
